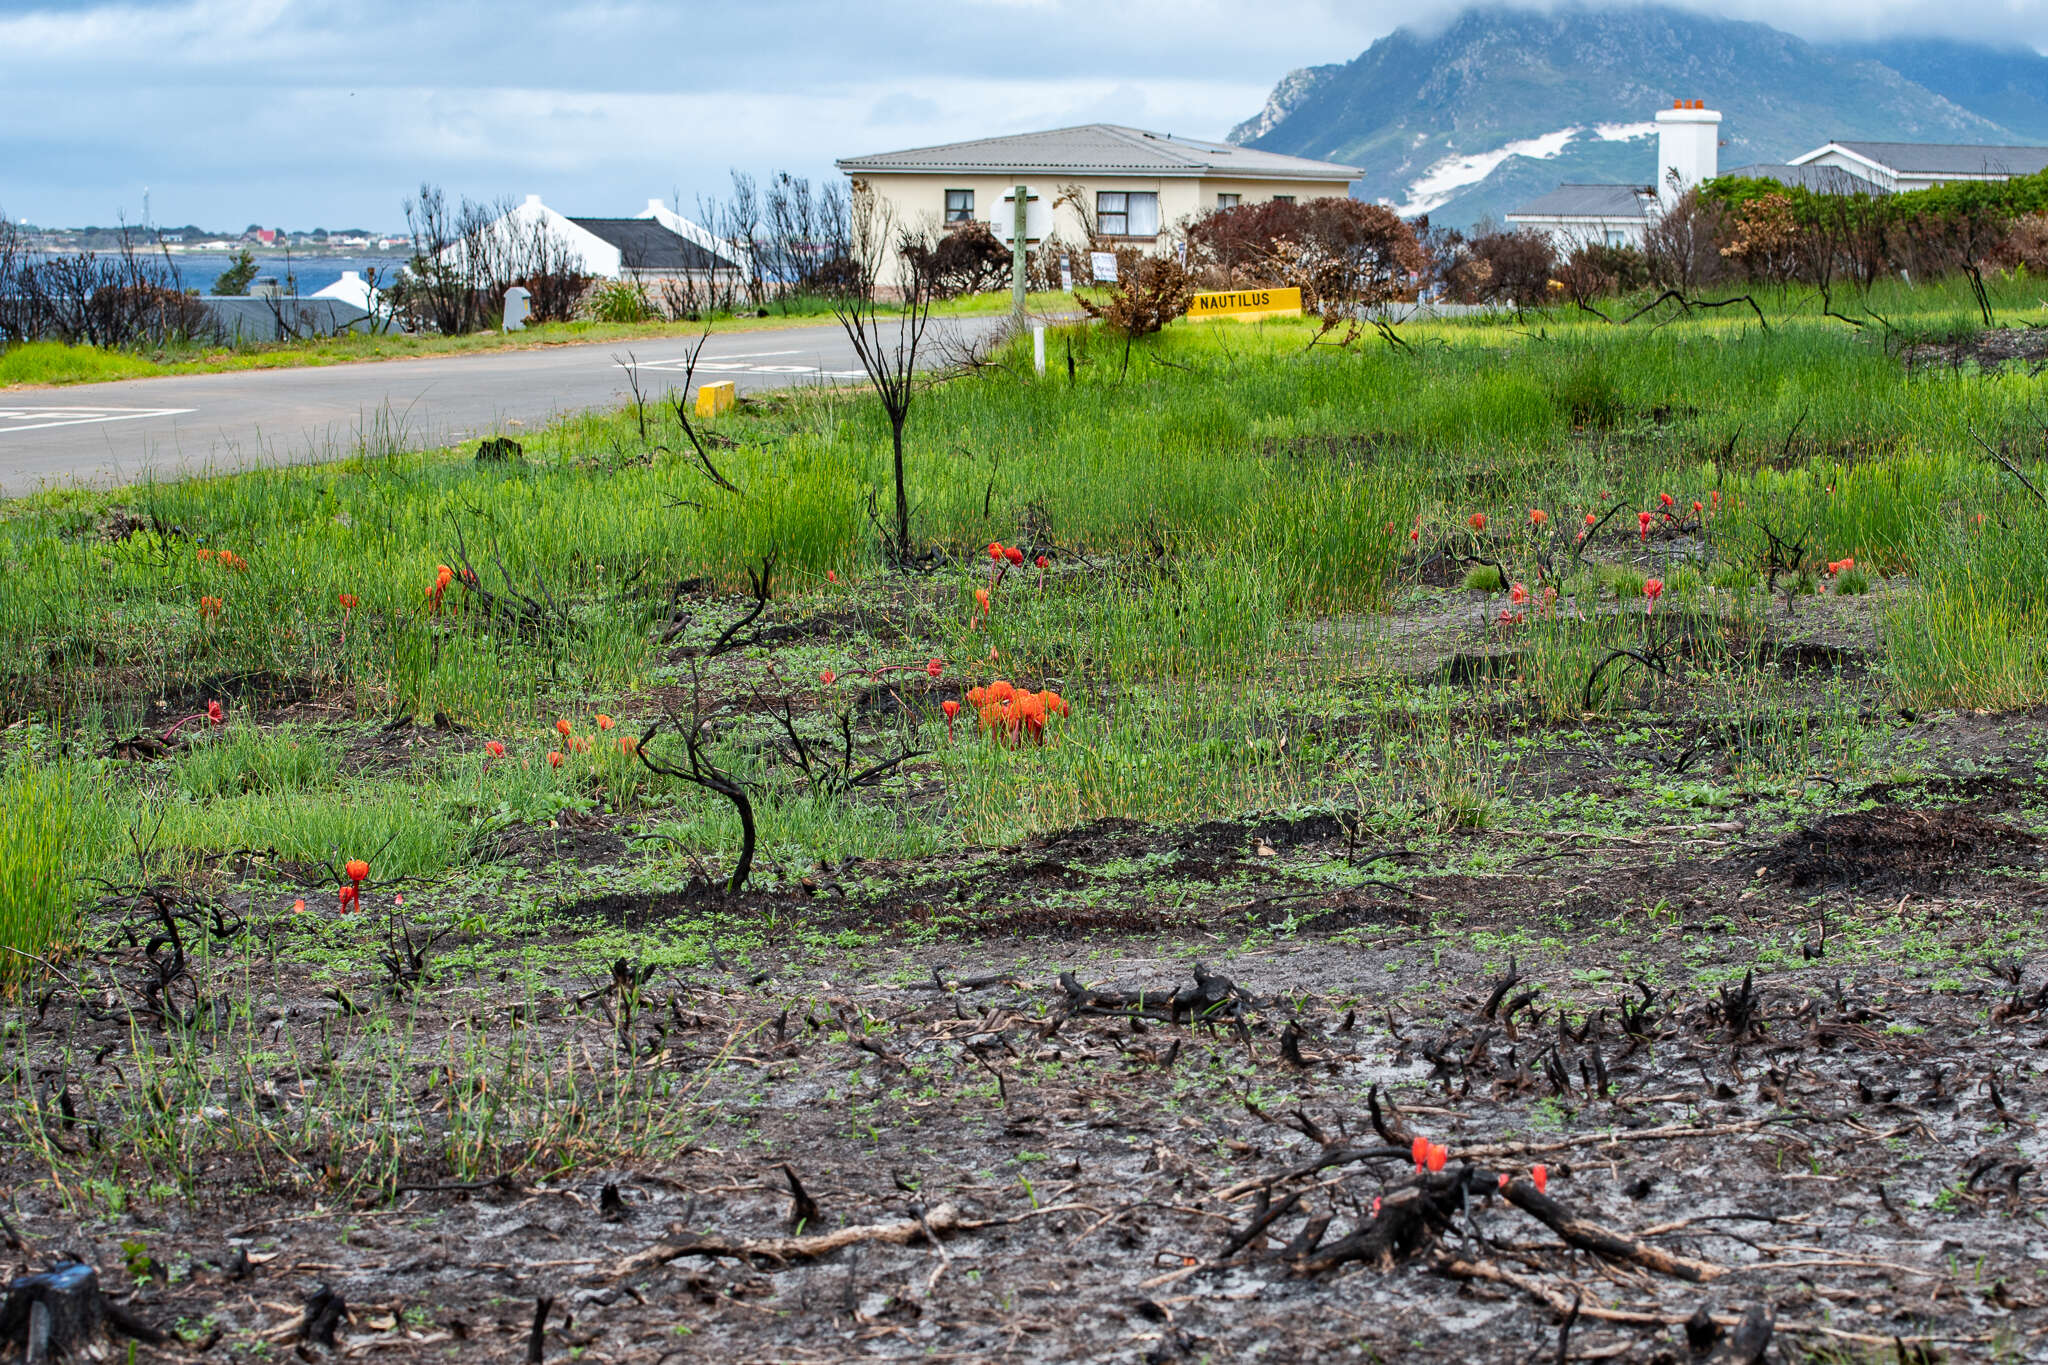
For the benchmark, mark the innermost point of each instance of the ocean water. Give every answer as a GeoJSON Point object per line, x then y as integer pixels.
{"type": "Point", "coordinates": [314, 273]}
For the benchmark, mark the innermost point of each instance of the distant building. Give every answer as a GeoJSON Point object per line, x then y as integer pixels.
{"type": "Point", "coordinates": [643, 248]}
{"type": "Point", "coordinates": [1134, 186]}
{"type": "Point", "coordinates": [1688, 153]}
{"type": "Point", "coordinates": [1901, 166]}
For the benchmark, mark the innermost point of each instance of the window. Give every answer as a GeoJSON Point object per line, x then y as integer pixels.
{"type": "Point", "coordinates": [959, 205]}
{"type": "Point", "coordinates": [1120, 213]}
{"type": "Point", "coordinates": [1227, 201]}
{"type": "Point", "coordinates": [1283, 198]}
{"type": "Point", "coordinates": [1616, 237]}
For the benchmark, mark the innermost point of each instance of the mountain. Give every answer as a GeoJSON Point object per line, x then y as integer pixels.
{"type": "Point", "coordinates": [1503, 104]}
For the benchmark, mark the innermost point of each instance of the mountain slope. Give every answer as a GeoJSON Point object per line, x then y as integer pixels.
{"type": "Point", "coordinates": [1464, 123]}
{"type": "Point", "coordinates": [2007, 85]}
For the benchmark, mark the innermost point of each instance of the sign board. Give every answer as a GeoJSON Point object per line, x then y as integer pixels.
{"type": "Point", "coordinates": [1037, 218]}
{"type": "Point", "coordinates": [517, 308]}
{"type": "Point", "coordinates": [1066, 274]}
{"type": "Point", "coordinates": [1104, 266]}
{"type": "Point", "coordinates": [1247, 304]}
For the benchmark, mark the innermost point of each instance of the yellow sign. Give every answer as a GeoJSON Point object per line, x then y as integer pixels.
{"type": "Point", "coordinates": [1249, 304]}
{"type": "Point", "coordinates": [713, 399]}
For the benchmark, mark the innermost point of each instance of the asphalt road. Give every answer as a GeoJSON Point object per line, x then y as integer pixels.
{"type": "Point", "coordinates": [114, 433]}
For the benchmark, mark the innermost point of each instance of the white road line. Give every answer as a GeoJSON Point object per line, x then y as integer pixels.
{"type": "Point", "coordinates": [677, 361]}
{"type": "Point", "coordinates": [20, 419]}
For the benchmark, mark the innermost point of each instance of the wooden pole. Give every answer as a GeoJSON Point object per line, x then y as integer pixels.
{"type": "Point", "coordinates": [1017, 253]}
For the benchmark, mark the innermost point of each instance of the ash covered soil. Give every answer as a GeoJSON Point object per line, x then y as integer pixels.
{"type": "Point", "coordinates": [1116, 1122]}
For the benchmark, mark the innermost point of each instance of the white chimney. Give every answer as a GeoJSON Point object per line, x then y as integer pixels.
{"type": "Point", "coordinates": [1688, 147]}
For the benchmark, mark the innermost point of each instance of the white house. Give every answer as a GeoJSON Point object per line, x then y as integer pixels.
{"type": "Point", "coordinates": [645, 247]}
{"type": "Point", "coordinates": [1688, 155]}
{"type": "Point", "coordinates": [1900, 166]}
{"type": "Point", "coordinates": [1128, 184]}
{"type": "Point", "coordinates": [354, 290]}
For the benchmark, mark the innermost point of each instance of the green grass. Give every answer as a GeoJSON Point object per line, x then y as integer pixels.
{"type": "Point", "coordinates": [1230, 518]}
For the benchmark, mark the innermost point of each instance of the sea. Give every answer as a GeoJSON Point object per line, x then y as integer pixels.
{"type": "Point", "coordinates": [198, 270]}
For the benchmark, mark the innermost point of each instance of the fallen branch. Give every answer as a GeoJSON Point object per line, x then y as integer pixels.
{"type": "Point", "coordinates": [784, 1250]}
{"type": "Point", "coordinates": [1601, 1240]}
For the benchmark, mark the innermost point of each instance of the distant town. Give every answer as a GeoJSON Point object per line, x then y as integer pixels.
{"type": "Point", "coordinates": [312, 242]}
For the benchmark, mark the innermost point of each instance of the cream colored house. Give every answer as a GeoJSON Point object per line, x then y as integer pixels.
{"type": "Point", "coordinates": [1136, 187]}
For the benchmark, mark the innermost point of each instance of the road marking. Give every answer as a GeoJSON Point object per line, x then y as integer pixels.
{"type": "Point", "coordinates": [741, 365]}
{"type": "Point", "coordinates": [13, 419]}
{"type": "Point", "coordinates": [680, 362]}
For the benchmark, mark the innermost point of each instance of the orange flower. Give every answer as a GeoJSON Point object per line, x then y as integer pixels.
{"type": "Point", "coordinates": [951, 709]}
{"type": "Point", "coordinates": [1477, 521]}
{"type": "Point", "coordinates": [554, 758]}
{"type": "Point", "coordinates": [210, 606]}
{"type": "Point", "coordinates": [494, 748]}
{"type": "Point", "coordinates": [934, 667]}
{"type": "Point", "coordinates": [1518, 594]}
{"type": "Point", "coordinates": [1437, 1157]}
{"type": "Point", "coordinates": [356, 869]}
{"type": "Point", "coordinates": [299, 906]}
{"type": "Point", "coordinates": [1540, 1175]}
{"type": "Point", "coordinates": [580, 743]}
{"type": "Point", "coordinates": [1537, 516]}
{"type": "Point", "coordinates": [604, 722]}
{"type": "Point", "coordinates": [828, 677]}
{"type": "Point", "coordinates": [981, 598]}
{"type": "Point", "coordinates": [628, 745]}
{"type": "Point", "coordinates": [205, 555]}
{"type": "Point", "coordinates": [1014, 555]}
{"type": "Point", "coordinates": [1592, 520]}
{"type": "Point", "coordinates": [563, 727]}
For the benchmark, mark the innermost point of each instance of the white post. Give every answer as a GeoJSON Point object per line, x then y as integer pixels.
{"type": "Point", "coordinates": [1038, 348]}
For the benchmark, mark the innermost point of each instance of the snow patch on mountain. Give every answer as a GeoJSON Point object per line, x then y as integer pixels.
{"type": "Point", "coordinates": [1439, 184]}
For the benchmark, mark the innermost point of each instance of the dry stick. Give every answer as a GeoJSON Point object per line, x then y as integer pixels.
{"type": "Point", "coordinates": [2010, 467]}
{"type": "Point", "coordinates": [1587, 1235]}
{"type": "Point", "coordinates": [1559, 1304]}
{"type": "Point", "coordinates": [944, 1218]}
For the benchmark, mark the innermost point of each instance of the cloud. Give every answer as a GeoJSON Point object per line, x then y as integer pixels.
{"type": "Point", "coordinates": [329, 111]}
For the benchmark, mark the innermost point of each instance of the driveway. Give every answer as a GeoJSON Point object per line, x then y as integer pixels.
{"type": "Point", "coordinates": [109, 434]}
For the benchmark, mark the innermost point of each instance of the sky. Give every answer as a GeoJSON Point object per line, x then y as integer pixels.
{"type": "Point", "coordinates": [304, 113]}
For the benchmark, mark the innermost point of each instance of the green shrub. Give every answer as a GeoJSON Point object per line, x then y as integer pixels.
{"type": "Point", "coordinates": [620, 301]}
{"type": "Point", "coordinates": [1590, 398]}
{"type": "Point", "coordinates": [1485, 578]}
{"type": "Point", "coordinates": [1851, 583]}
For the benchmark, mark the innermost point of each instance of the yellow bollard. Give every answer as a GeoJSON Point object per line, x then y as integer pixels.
{"type": "Point", "coordinates": [713, 399]}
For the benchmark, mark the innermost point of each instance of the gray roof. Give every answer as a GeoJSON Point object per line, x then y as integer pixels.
{"type": "Point", "coordinates": [1590, 201]}
{"type": "Point", "coordinates": [1946, 158]}
{"type": "Point", "coordinates": [1099, 149]}
{"type": "Point", "coordinates": [646, 245]}
{"type": "Point", "coordinates": [1819, 179]}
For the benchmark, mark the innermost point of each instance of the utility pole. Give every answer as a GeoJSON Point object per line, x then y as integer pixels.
{"type": "Point", "coordinates": [1017, 255]}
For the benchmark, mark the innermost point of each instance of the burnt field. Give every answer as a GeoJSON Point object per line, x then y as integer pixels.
{"type": "Point", "coordinates": [1558, 878]}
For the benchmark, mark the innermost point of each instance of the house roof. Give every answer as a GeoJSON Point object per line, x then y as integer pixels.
{"type": "Point", "coordinates": [1099, 149]}
{"type": "Point", "coordinates": [1940, 158]}
{"type": "Point", "coordinates": [646, 245]}
{"type": "Point", "coordinates": [1820, 179]}
{"type": "Point", "coordinates": [1629, 202]}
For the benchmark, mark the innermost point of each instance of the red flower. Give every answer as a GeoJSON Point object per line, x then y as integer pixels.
{"type": "Point", "coordinates": [209, 607]}
{"type": "Point", "coordinates": [1518, 594]}
{"type": "Point", "coordinates": [1014, 555]}
{"type": "Point", "coordinates": [348, 601]}
{"type": "Point", "coordinates": [605, 722]}
{"type": "Point", "coordinates": [1592, 520]}
{"type": "Point", "coordinates": [1537, 516]}
{"type": "Point", "coordinates": [628, 745]}
{"type": "Point", "coordinates": [494, 749]}
{"type": "Point", "coordinates": [562, 726]}
{"type": "Point", "coordinates": [933, 668]}
{"type": "Point", "coordinates": [554, 758]}
{"type": "Point", "coordinates": [1503, 1179]}
{"type": "Point", "coordinates": [1437, 1157]}
{"type": "Point", "coordinates": [215, 714]}
{"type": "Point", "coordinates": [1666, 499]}
{"type": "Point", "coordinates": [205, 555]}
{"type": "Point", "coordinates": [951, 709]}
{"type": "Point", "coordinates": [1477, 521]}
{"type": "Point", "coordinates": [828, 677]}
{"type": "Point", "coordinates": [1419, 1149]}
{"type": "Point", "coordinates": [1653, 588]}
{"type": "Point", "coordinates": [1416, 535]}
{"type": "Point", "coordinates": [981, 598]}
{"type": "Point", "coordinates": [1541, 1176]}
{"type": "Point", "coordinates": [348, 894]}
{"type": "Point", "coordinates": [996, 551]}
{"type": "Point", "coordinates": [831, 575]}
{"type": "Point", "coordinates": [1697, 507]}
{"type": "Point", "coordinates": [356, 870]}
{"type": "Point", "coordinates": [1643, 524]}
{"type": "Point", "coordinates": [1043, 563]}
